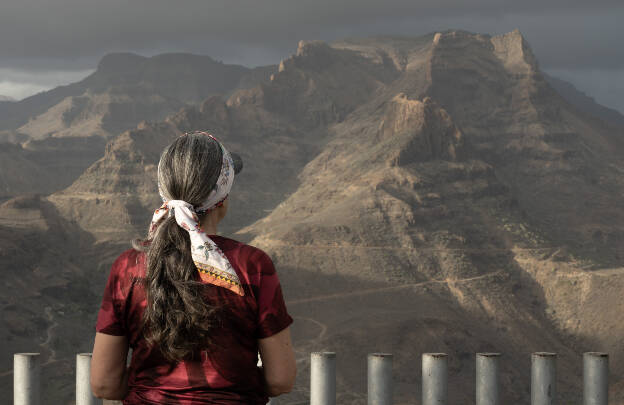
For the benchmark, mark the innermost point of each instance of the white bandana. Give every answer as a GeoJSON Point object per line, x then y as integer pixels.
{"type": "Point", "coordinates": [211, 262]}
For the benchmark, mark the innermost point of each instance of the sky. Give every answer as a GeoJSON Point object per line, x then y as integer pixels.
{"type": "Point", "coordinates": [46, 43]}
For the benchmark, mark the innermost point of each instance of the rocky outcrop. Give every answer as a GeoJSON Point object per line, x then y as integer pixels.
{"type": "Point", "coordinates": [515, 53]}
{"type": "Point", "coordinates": [428, 130]}
{"type": "Point", "coordinates": [320, 85]}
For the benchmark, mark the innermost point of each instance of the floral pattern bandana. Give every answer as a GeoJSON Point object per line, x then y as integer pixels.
{"type": "Point", "coordinates": [212, 264]}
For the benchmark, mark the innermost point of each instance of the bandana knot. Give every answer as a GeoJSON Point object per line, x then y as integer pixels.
{"type": "Point", "coordinates": [212, 264]}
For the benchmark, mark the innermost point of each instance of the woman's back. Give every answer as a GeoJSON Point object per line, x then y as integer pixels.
{"type": "Point", "coordinates": [196, 308]}
{"type": "Point", "coordinates": [224, 373]}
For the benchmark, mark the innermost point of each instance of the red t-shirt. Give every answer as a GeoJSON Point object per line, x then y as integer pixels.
{"type": "Point", "coordinates": [225, 373]}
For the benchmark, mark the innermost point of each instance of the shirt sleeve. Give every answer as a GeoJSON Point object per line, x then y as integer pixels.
{"type": "Point", "coordinates": [110, 318]}
{"type": "Point", "coordinates": [272, 314]}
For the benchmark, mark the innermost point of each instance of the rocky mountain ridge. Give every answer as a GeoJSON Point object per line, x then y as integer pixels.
{"type": "Point", "coordinates": [124, 90]}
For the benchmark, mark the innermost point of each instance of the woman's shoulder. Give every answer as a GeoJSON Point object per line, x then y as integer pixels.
{"type": "Point", "coordinates": [232, 245]}
{"type": "Point", "coordinates": [248, 258]}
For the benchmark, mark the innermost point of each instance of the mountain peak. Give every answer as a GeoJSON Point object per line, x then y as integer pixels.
{"type": "Point", "coordinates": [119, 62]}
{"type": "Point", "coordinates": [306, 48]}
{"type": "Point", "coordinates": [511, 48]}
{"type": "Point", "coordinates": [452, 36]}
{"type": "Point", "coordinates": [514, 51]}
{"type": "Point", "coordinates": [312, 52]}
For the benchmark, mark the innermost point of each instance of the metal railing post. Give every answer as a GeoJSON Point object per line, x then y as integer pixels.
{"type": "Point", "coordinates": [379, 379]}
{"type": "Point", "coordinates": [434, 379]}
{"type": "Point", "coordinates": [543, 378]}
{"type": "Point", "coordinates": [487, 378]}
{"type": "Point", "coordinates": [323, 378]}
{"type": "Point", "coordinates": [26, 379]}
{"type": "Point", "coordinates": [595, 378]}
{"type": "Point", "coordinates": [84, 396]}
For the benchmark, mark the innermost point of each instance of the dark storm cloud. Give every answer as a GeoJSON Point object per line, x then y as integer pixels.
{"type": "Point", "coordinates": [51, 34]}
{"type": "Point", "coordinates": [45, 43]}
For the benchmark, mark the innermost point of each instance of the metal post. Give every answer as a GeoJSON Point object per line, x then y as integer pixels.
{"type": "Point", "coordinates": [84, 396]}
{"type": "Point", "coordinates": [323, 378]}
{"type": "Point", "coordinates": [595, 378]}
{"type": "Point", "coordinates": [543, 378]}
{"type": "Point", "coordinates": [434, 379]}
{"type": "Point", "coordinates": [487, 378]}
{"type": "Point", "coordinates": [26, 379]}
{"type": "Point", "coordinates": [380, 379]}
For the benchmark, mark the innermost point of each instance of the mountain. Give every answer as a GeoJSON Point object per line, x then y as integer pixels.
{"type": "Point", "coordinates": [274, 127]}
{"type": "Point", "coordinates": [476, 191]}
{"type": "Point", "coordinates": [6, 98]}
{"type": "Point", "coordinates": [585, 103]}
{"type": "Point", "coordinates": [430, 194]}
{"type": "Point", "coordinates": [124, 90]}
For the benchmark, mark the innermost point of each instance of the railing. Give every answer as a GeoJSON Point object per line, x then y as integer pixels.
{"type": "Point", "coordinates": [27, 372]}
{"type": "Point", "coordinates": [435, 385]}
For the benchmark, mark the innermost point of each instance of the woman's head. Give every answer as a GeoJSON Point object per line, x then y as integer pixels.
{"type": "Point", "coordinates": [189, 168]}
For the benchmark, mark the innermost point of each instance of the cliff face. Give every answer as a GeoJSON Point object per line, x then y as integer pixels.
{"type": "Point", "coordinates": [416, 194]}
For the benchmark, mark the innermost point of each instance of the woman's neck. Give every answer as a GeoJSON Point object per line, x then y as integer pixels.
{"type": "Point", "coordinates": [212, 218]}
{"type": "Point", "coordinates": [209, 224]}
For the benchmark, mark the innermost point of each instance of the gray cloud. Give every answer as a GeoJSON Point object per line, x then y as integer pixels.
{"type": "Point", "coordinates": [19, 83]}
{"type": "Point", "coordinates": [79, 31]}
{"type": "Point", "coordinates": [70, 35]}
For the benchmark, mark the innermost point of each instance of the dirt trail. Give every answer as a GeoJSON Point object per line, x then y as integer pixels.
{"type": "Point", "coordinates": [46, 344]}
{"type": "Point", "coordinates": [273, 243]}
{"type": "Point", "coordinates": [49, 336]}
{"type": "Point", "coordinates": [391, 288]}
{"type": "Point", "coordinates": [302, 358]}
{"type": "Point", "coordinates": [303, 349]}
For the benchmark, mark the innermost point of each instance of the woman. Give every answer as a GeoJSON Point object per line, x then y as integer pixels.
{"type": "Point", "coordinates": [195, 308]}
